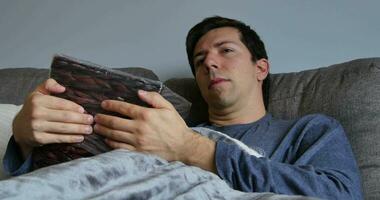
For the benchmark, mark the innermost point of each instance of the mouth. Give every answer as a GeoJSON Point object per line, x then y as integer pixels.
{"type": "Point", "coordinates": [216, 81]}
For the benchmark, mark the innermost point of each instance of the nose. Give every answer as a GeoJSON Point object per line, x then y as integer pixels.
{"type": "Point", "coordinates": [211, 62]}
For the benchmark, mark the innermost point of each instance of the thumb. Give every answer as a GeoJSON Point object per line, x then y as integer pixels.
{"type": "Point", "coordinates": [50, 86]}
{"type": "Point", "coordinates": [154, 99]}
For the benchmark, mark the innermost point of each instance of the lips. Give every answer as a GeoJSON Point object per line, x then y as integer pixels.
{"type": "Point", "coordinates": [216, 81]}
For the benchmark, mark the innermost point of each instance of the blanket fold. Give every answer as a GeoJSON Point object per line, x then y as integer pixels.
{"type": "Point", "coordinates": [124, 174]}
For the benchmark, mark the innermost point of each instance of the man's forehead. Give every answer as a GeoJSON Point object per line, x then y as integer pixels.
{"type": "Point", "coordinates": [217, 37]}
{"type": "Point", "coordinates": [219, 34]}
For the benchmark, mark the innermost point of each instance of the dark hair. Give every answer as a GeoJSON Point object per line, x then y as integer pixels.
{"type": "Point", "coordinates": [247, 36]}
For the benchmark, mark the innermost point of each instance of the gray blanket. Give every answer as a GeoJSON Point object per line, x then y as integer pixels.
{"type": "Point", "coordinates": [123, 174]}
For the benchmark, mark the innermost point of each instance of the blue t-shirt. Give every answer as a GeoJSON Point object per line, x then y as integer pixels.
{"type": "Point", "coordinates": [310, 156]}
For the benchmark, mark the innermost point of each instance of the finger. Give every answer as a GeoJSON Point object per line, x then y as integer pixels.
{"type": "Point", "coordinates": [124, 108]}
{"type": "Point", "coordinates": [49, 138]}
{"type": "Point", "coordinates": [61, 128]}
{"type": "Point", "coordinates": [115, 122]}
{"type": "Point", "coordinates": [63, 116]}
{"type": "Point", "coordinates": [119, 145]}
{"type": "Point", "coordinates": [57, 103]}
{"type": "Point", "coordinates": [154, 99]}
{"type": "Point", "coordinates": [115, 135]}
{"type": "Point", "coordinates": [50, 86]}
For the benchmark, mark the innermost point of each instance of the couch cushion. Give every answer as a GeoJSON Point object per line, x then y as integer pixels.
{"type": "Point", "coordinates": [349, 92]}
{"type": "Point", "coordinates": [16, 83]}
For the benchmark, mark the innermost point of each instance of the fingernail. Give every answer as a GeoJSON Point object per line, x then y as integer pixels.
{"type": "Point", "coordinates": [79, 139]}
{"type": "Point", "coordinates": [60, 86]}
{"type": "Point", "coordinates": [88, 129]}
{"type": "Point", "coordinates": [81, 109]}
{"type": "Point", "coordinates": [90, 119]}
{"type": "Point", "coordinates": [141, 92]}
{"type": "Point", "coordinates": [104, 104]}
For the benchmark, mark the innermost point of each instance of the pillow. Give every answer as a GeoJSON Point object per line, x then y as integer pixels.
{"type": "Point", "coordinates": [7, 113]}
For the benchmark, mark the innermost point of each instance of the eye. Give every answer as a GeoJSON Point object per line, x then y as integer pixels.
{"type": "Point", "coordinates": [227, 50]}
{"type": "Point", "coordinates": [198, 62]}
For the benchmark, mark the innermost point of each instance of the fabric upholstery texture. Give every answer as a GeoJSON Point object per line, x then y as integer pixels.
{"type": "Point", "coordinates": [349, 92]}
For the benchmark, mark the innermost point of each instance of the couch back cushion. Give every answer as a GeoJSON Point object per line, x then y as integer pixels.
{"type": "Point", "coordinates": [17, 83]}
{"type": "Point", "coordinates": [349, 92]}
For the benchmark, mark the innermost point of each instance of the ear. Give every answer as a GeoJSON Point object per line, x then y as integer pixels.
{"type": "Point", "coordinates": [262, 69]}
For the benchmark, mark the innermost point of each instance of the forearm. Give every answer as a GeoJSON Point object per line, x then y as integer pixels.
{"type": "Point", "coordinates": [200, 151]}
{"type": "Point", "coordinates": [25, 150]}
{"type": "Point", "coordinates": [251, 174]}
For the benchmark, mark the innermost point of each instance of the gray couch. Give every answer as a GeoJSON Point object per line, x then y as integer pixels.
{"type": "Point", "coordinates": [349, 92]}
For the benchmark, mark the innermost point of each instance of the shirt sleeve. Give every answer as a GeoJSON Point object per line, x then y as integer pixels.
{"type": "Point", "coordinates": [316, 161]}
{"type": "Point", "coordinates": [13, 161]}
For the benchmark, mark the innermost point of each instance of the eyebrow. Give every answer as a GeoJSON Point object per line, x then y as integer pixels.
{"type": "Point", "coordinates": [218, 44]}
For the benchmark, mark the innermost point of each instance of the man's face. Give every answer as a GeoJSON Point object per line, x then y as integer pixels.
{"type": "Point", "coordinates": [224, 70]}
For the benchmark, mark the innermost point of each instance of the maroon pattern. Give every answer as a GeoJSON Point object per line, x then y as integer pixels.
{"type": "Point", "coordinates": [89, 84]}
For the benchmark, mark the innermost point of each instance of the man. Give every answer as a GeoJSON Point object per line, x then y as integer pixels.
{"type": "Point", "coordinates": [309, 156]}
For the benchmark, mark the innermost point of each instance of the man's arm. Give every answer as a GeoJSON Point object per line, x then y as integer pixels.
{"type": "Point", "coordinates": [159, 130]}
{"type": "Point", "coordinates": [325, 169]}
{"type": "Point", "coordinates": [317, 162]}
{"type": "Point", "coordinates": [14, 162]}
{"type": "Point", "coordinates": [200, 152]}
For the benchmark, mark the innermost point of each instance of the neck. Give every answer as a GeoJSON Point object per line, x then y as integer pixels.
{"type": "Point", "coordinates": [232, 115]}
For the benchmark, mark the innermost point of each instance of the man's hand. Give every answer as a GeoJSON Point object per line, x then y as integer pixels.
{"type": "Point", "coordinates": [47, 119]}
{"type": "Point", "coordinates": [159, 130]}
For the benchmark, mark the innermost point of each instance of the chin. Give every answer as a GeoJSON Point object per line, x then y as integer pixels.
{"type": "Point", "coordinates": [219, 102]}
{"type": "Point", "coordinates": [218, 97]}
